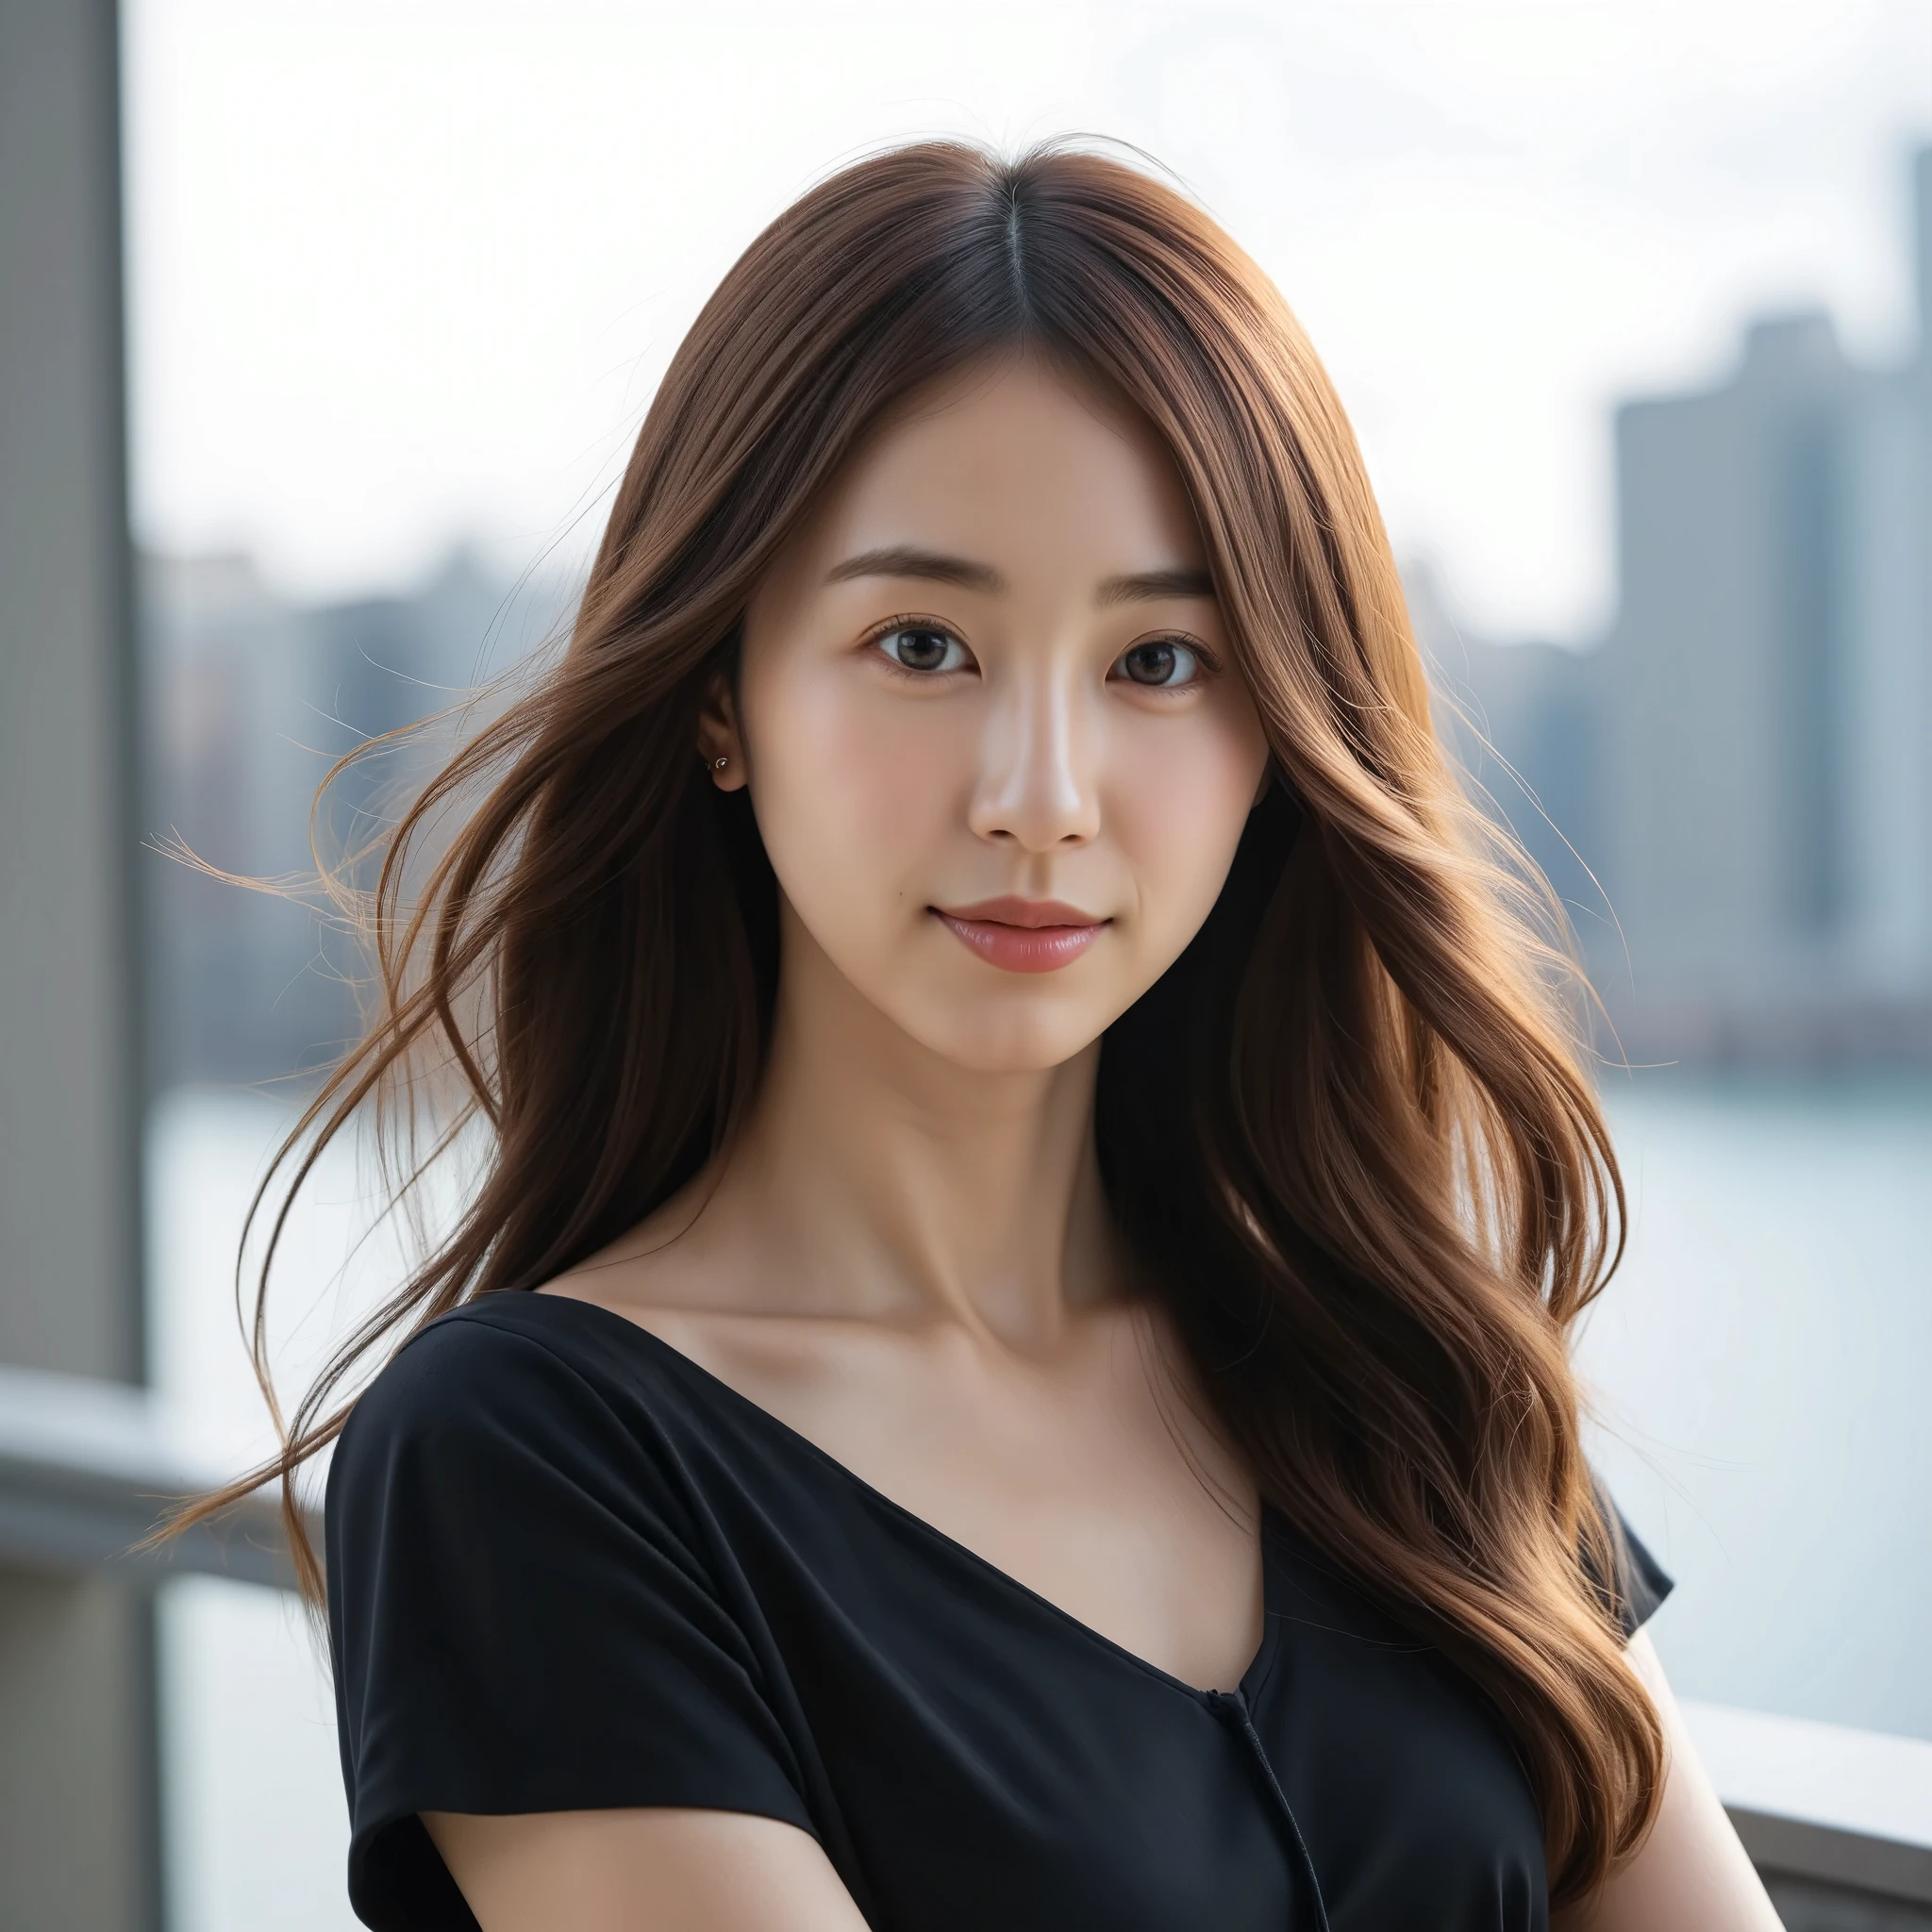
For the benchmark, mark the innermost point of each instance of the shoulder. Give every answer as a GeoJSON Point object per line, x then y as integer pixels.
{"type": "Point", "coordinates": [501, 1346]}
{"type": "Point", "coordinates": [475, 1366]}
{"type": "Point", "coordinates": [525, 1352]}
{"type": "Point", "coordinates": [519, 1474]}
{"type": "Point", "coordinates": [514, 1397]}
{"type": "Point", "coordinates": [530, 1605]}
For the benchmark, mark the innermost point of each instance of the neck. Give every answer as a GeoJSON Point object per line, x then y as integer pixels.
{"type": "Point", "coordinates": [911, 1187]}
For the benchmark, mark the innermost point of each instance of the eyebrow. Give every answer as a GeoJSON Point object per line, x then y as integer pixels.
{"type": "Point", "coordinates": [908, 561]}
{"type": "Point", "coordinates": [905, 560]}
{"type": "Point", "coordinates": [1148, 585]}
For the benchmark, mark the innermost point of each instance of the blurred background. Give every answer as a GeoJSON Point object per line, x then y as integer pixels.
{"type": "Point", "coordinates": [1629, 306]}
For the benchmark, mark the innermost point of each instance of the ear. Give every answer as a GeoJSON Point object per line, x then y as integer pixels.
{"type": "Point", "coordinates": [720, 743]}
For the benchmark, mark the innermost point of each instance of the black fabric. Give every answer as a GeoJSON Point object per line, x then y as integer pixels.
{"type": "Point", "coordinates": [568, 1569]}
{"type": "Point", "coordinates": [1638, 1583]}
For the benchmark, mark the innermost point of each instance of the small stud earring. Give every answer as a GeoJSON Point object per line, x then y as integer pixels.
{"type": "Point", "coordinates": [719, 764]}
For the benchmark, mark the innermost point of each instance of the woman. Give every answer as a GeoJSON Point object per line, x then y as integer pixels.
{"type": "Point", "coordinates": [1007, 1364]}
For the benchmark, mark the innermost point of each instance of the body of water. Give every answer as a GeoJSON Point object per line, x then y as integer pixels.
{"type": "Point", "coordinates": [1761, 1374]}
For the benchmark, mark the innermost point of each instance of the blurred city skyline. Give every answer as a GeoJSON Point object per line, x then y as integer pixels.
{"type": "Point", "coordinates": [407, 279]}
{"type": "Point", "coordinates": [1732, 793]}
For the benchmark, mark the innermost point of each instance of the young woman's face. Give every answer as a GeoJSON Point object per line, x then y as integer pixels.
{"type": "Point", "coordinates": [996, 743]}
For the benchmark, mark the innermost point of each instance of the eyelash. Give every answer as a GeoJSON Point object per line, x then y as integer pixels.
{"type": "Point", "coordinates": [1209, 664]}
{"type": "Point", "coordinates": [879, 633]}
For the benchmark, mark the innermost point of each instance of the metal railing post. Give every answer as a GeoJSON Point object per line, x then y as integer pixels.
{"type": "Point", "coordinates": [79, 1840]}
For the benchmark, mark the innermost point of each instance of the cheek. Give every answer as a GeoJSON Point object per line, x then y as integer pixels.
{"type": "Point", "coordinates": [851, 790]}
{"type": "Point", "coordinates": [1181, 802]}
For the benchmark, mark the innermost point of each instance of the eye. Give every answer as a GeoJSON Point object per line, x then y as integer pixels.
{"type": "Point", "coordinates": [924, 648]}
{"type": "Point", "coordinates": [1161, 664]}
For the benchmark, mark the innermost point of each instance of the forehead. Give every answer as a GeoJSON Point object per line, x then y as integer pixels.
{"type": "Point", "coordinates": [1020, 464]}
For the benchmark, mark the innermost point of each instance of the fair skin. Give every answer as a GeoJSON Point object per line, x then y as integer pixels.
{"type": "Point", "coordinates": [989, 669]}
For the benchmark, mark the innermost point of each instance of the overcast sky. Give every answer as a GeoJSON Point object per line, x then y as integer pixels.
{"type": "Point", "coordinates": [405, 271]}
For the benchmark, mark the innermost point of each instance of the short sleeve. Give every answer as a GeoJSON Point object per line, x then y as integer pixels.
{"type": "Point", "coordinates": [1638, 1583]}
{"type": "Point", "coordinates": [521, 1619]}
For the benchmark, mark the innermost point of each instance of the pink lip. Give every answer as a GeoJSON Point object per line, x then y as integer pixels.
{"type": "Point", "coordinates": [1024, 935]}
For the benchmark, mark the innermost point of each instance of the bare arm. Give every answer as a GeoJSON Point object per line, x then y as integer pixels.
{"type": "Point", "coordinates": [641, 1872]}
{"type": "Point", "coordinates": [1690, 1875]}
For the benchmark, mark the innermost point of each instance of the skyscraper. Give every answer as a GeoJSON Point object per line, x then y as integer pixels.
{"type": "Point", "coordinates": [1767, 694]}
{"type": "Point", "coordinates": [1733, 793]}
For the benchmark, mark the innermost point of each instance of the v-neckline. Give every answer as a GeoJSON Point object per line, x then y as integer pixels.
{"type": "Point", "coordinates": [1251, 1678]}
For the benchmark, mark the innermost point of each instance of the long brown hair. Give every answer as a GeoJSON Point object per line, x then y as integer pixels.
{"type": "Point", "coordinates": [1347, 1131]}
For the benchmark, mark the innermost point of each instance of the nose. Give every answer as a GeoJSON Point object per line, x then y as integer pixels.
{"type": "Point", "coordinates": [1039, 786]}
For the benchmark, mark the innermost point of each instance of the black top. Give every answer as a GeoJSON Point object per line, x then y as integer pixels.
{"type": "Point", "coordinates": [568, 1569]}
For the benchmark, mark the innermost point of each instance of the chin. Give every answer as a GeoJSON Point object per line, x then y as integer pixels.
{"type": "Point", "coordinates": [1007, 1043]}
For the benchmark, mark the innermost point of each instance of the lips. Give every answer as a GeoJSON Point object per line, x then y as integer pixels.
{"type": "Point", "coordinates": [1022, 935]}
